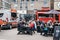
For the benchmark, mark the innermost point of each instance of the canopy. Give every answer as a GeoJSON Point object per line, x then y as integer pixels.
{"type": "Point", "coordinates": [53, 12]}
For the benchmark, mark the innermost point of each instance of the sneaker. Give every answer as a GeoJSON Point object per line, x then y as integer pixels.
{"type": "Point", "coordinates": [18, 33]}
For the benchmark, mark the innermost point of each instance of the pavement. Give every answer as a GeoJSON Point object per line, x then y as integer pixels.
{"type": "Point", "coordinates": [12, 35]}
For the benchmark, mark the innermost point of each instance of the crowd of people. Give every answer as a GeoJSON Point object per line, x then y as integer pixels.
{"type": "Point", "coordinates": [45, 27]}
{"type": "Point", "coordinates": [40, 26]}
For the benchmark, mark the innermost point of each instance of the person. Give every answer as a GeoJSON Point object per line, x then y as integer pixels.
{"type": "Point", "coordinates": [45, 30]}
{"type": "Point", "coordinates": [38, 25]}
{"type": "Point", "coordinates": [0, 28]}
{"type": "Point", "coordinates": [21, 26]}
{"type": "Point", "coordinates": [50, 27]}
{"type": "Point", "coordinates": [41, 28]}
{"type": "Point", "coordinates": [31, 25]}
{"type": "Point", "coordinates": [55, 24]}
{"type": "Point", "coordinates": [34, 22]}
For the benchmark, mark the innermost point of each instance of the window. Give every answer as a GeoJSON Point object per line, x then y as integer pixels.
{"type": "Point", "coordinates": [27, 0]}
{"type": "Point", "coordinates": [36, 0]}
{"type": "Point", "coordinates": [20, 7]}
{"type": "Point", "coordinates": [13, 14]}
{"type": "Point", "coordinates": [14, 0]}
{"type": "Point", "coordinates": [22, 0]}
{"type": "Point", "coordinates": [21, 3]}
{"type": "Point", "coordinates": [57, 0]}
{"type": "Point", "coordinates": [26, 7]}
{"type": "Point", "coordinates": [1, 14]}
{"type": "Point", "coordinates": [0, 4]}
{"type": "Point", "coordinates": [7, 6]}
{"type": "Point", "coordinates": [32, 0]}
{"type": "Point", "coordinates": [45, 15]}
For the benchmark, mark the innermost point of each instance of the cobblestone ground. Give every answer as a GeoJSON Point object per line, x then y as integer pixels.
{"type": "Point", "coordinates": [12, 35]}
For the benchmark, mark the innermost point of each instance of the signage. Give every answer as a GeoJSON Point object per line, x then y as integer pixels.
{"type": "Point", "coordinates": [59, 4]}
{"type": "Point", "coordinates": [21, 11]}
{"type": "Point", "coordinates": [56, 5]}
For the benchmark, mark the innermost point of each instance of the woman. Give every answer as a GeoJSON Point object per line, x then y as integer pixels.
{"type": "Point", "coordinates": [31, 25]}
{"type": "Point", "coordinates": [45, 30]}
{"type": "Point", "coordinates": [38, 25]}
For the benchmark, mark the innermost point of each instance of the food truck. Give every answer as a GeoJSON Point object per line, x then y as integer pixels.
{"type": "Point", "coordinates": [46, 15]}
{"type": "Point", "coordinates": [8, 17]}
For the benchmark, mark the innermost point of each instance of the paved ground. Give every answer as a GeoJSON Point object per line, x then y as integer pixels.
{"type": "Point", "coordinates": [12, 35]}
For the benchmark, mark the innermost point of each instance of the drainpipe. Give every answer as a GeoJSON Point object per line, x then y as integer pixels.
{"type": "Point", "coordinates": [3, 4]}
{"type": "Point", "coordinates": [52, 7]}
{"type": "Point", "coordinates": [51, 4]}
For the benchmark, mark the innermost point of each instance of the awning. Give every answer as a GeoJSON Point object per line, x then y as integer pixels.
{"type": "Point", "coordinates": [43, 12]}
{"type": "Point", "coordinates": [53, 12]}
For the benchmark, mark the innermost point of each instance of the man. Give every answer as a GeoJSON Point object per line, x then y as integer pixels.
{"type": "Point", "coordinates": [50, 27]}
{"type": "Point", "coordinates": [31, 25]}
{"type": "Point", "coordinates": [20, 27]}
{"type": "Point", "coordinates": [38, 25]}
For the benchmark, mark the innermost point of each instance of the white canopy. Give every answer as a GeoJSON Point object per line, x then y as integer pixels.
{"type": "Point", "coordinates": [53, 12]}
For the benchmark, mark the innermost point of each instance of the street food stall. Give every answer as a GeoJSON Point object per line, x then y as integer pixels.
{"type": "Point", "coordinates": [46, 15]}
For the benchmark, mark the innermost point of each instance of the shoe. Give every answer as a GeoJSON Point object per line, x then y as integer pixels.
{"type": "Point", "coordinates": [43, 34]}
{"type": "Point", "coordinates": [34, 32]}
{"type": "Point", "coordinates": [40, 34]}
{"type": "Point", "coordinates": [18, 33]}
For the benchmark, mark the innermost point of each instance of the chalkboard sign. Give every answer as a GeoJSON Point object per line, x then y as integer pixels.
{"type": "Point", "coordinates": [56, 33]}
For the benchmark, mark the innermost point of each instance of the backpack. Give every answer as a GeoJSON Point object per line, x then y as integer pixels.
{"type": "Point", "coordinates": [45, 28]}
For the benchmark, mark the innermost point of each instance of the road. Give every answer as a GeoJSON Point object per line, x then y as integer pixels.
{"type": "Point", "coordinates": [12, 35]}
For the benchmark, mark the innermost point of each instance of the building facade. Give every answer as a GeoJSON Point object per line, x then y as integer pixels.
{"type": "Point", "coordinates": [56, 4]}
{"type": "Point", "coordinates": [0, 4]}
{"type": "Point", "coordinates": [6, 4]}
{"type": "Point", "coordinates": [30, 4]}
{"type": "Point", "coordinates": [33, 4]}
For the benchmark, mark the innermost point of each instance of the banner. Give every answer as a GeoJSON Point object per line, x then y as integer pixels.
{"type": "Point", "coordinates": [56, 5]}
